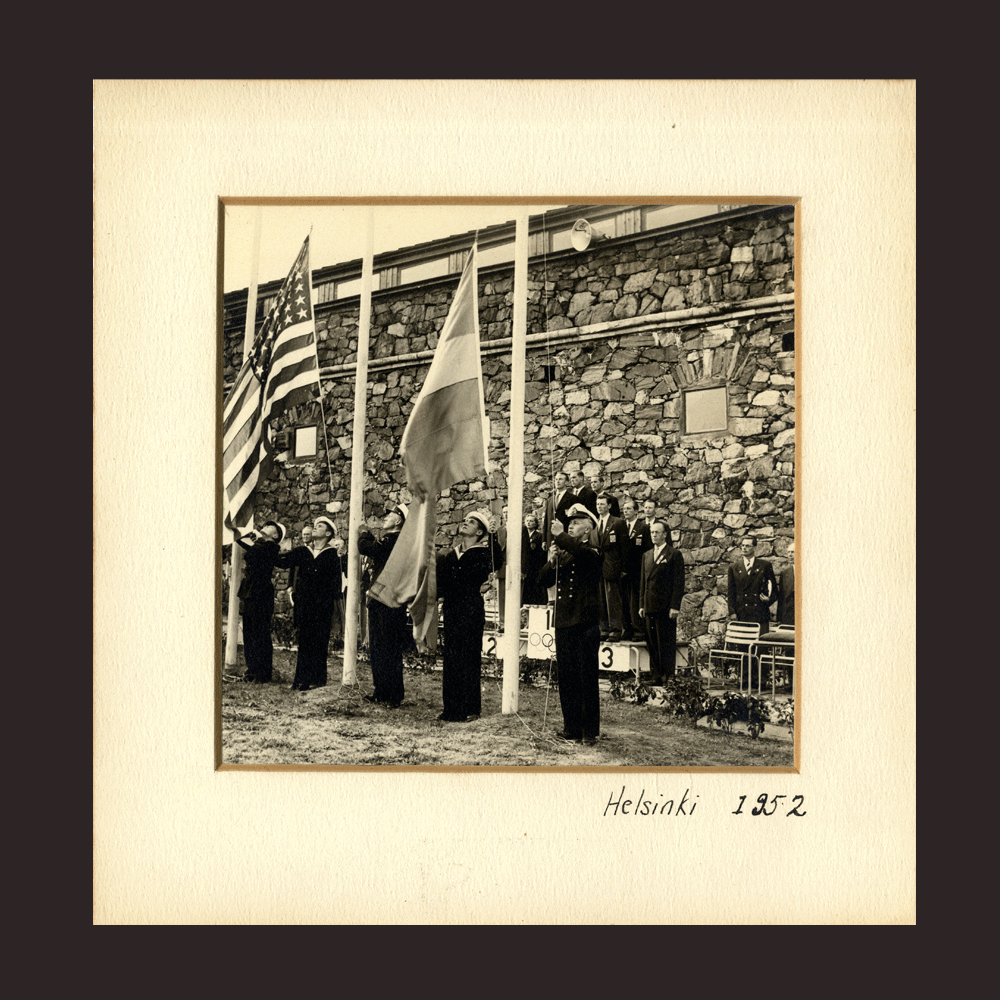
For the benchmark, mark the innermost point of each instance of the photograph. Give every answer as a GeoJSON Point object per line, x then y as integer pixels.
{"type": "Point", "coordinates": [465, 591]}
{"type": "Point", "coordinates": [568, 540]}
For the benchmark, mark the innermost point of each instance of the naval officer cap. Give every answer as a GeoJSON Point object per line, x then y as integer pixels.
{"type": "Point", "coordinates": [402, 510]}
{"type": "Point", "coordinates": [578, 510]}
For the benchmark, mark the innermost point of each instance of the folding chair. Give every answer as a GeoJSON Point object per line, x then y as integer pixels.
{"type": "Point", "coordinates": [781, 638]}
{"type": "Point", "coordinates": [738, 645]}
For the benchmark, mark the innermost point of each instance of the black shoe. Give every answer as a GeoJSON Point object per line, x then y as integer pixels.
{"type": "Point", "coordinates": [590, 741]}
{"type": "Point", "coordinates": [563, 735]}
{"type": "Point", "coordinates": [614, 637]}
{"type": "Point", "coordinates": [452, 718]}
{"type": "Point", "coordinates": [371, 699]}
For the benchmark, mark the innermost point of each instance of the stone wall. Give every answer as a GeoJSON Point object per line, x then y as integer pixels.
{"type": "Point", "coordinates": [619, 332]}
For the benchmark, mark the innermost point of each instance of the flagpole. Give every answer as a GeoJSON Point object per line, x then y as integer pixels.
{"type": "Point", "coordinates": [352, 615]}
{"type": "Point", "coordinates": [515, 474]}
{"type": "Point", "coordinates": [233, 620]}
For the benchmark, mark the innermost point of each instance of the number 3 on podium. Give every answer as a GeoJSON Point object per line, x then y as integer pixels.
{"type": "Point", "coordinates": [607, 664]}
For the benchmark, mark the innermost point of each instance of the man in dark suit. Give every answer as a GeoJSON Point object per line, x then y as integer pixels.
{"type": "Point", "coordinates": [574, 570]}
{"type": "Point", "coordinates": [388, 633]}
{"type": "Point", "coordinates": [786, 589]}
{"type": "Point", "coordinates": [584, 494]}
{"type": "Point", "coordinates": [752, 586]}
{"type": "Point", "coordinates": [638, 542]}
{"type": "Point", "coordinates": [601, 485]}
{"type": "Point", "coordinates": [661, 588]}
{"type": "Point", "coordinates": [556, 506]}
{"type": "Point", "coordinates": [610, 537]}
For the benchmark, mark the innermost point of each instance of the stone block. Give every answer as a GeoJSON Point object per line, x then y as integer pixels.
{"type": "Point", "coordinates": [601, 313]}
{"type": "Point", "coordinates": [785, 438]}
{"type": "Point", "coordinates": [767, 235]}
{"type": "Point", "coordinates": [715, 609]}
{"type": "Point", "coordinates": [626, 307]}
{"type": "Point", "coordinates": [713, 456]}
{"type": "Point", "coordinates": [741, 255]}
{"type": "Point", "coordinates": [765, 253]}
{"type": "Point", "coordinates": [581, 300]}
{"type": "Point", "coordinates": [756, 450]}
{"type": "Point", "coordinates": [698, 472]}
{"type": "Point", "coordinates": [769, 397]}
{"type": "Point", "coordinates": [640, 281]}
{"type": "Point", "coordinates": [746, 426]}
{"type": "Point", "coordinates": [708, 554]}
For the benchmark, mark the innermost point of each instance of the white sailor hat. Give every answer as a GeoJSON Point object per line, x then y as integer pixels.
{"type": "Point", "coordinates": [482, 516]}
{"type": "Point", "coordinates": [323, 519]}
{"type": "Point", "coordinates": [578, 510]}
{"type": "Point", "coordinates": [402, 510]}
{"type": "Point", "coordinates": [280, 527]}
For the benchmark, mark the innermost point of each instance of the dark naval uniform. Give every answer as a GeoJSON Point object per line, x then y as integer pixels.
{"type": "Point", "coordinates": [577, 579]}
{"type": "Point", "coordinates": [459, 579]}
{"type": "Point", "coordinates": [317, 590]}
{"type": "Point", "coordinates": [388, 631]}
{"type": "Point", "coordinates": [257, 606]}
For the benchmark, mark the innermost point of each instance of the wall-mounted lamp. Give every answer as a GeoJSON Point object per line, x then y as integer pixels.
{"type": "Point", "coordinates": [582, 234]}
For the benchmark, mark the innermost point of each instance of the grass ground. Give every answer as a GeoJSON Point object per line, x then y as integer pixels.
{"type": "Point", "coordinates": [271, 724]}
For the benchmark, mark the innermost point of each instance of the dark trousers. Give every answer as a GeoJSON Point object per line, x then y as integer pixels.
{"type": "Point", "coordinates": [314, 641]}
{"type": "Point", "coordinates": [257, 645]}
{"type": "Point", "coordinates": [611, 606]}
{"type": "Point", "coordinates": [577, 654]}
{"type": "Point", "coordinates": [387, 637]}
{"type": "Point", "coordinates": [632, 623]}
{"type": "Point", "coordinates": [461, 682]}
{"type": "Point", "coordinates": [662, 632]}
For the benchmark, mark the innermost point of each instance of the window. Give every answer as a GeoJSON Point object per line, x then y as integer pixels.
{"type": "Point", "coordinates": [705, 410]}
{"type": "Point", "coordinates": [305, 442]}
{"type": "Point", "coordinates": [345, 289]}
{"type": "Point", "coordinates": [421, 272]}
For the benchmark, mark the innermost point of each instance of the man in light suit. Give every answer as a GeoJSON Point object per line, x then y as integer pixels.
{"type": "Point", "coordinates": [786, 589]}
{"type": "Point", "coordinates": [610, 536]}
{"type": "Point", "coordinates": [661, 588]}
{"type": "Point", "coordinates": [752, 586]}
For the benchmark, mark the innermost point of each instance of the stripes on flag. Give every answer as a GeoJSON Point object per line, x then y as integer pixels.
{"type": "Point", "coordinates": [278, 373]}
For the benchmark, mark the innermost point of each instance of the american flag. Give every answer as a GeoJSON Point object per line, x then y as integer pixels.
{"type": "Point", "coordinates": [278, 373]}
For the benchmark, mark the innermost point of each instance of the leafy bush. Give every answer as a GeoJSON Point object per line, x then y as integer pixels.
{"type": "Point", "coordinates": [685, 697]}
